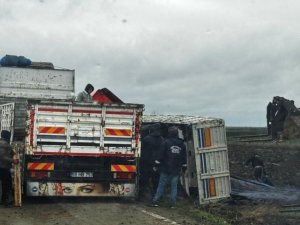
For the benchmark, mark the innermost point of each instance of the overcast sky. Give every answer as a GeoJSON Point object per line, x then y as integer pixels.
{"type": "Point", "coordinates": [215, 58]}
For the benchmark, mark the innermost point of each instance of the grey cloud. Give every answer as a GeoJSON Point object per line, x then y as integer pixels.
{"type": "Point", "coordinates": [210, 58]}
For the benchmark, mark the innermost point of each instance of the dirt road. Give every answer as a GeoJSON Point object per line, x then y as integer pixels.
{"type": "Point", "coordinates": [89, 212]}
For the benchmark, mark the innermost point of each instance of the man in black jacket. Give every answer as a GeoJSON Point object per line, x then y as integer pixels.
{"type": "Point", "coordinates": [171, 160]}
{"type": "Point", "coordinates": [6, 160]}
{"type": "Point", "coordinates": [150, 148]}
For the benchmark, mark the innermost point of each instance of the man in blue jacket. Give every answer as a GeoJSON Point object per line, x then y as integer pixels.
{"type": "Point", "coordinates": [171, 160]}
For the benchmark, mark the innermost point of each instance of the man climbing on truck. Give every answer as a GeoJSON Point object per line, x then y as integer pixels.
{"type": "Point", "coordinates": [85, 96]}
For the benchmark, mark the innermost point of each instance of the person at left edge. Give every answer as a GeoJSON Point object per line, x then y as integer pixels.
{"type": "Point", "coordinates": [6, 160]}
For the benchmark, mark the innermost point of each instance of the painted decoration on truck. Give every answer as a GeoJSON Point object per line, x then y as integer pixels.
{"type": "Point", "coordinates": [79, 189]}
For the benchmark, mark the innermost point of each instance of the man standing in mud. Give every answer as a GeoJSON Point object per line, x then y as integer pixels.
{"type": "Point", "coordinates": [171, 160]}
{"type": "Point", "coordinates": [258, 167]}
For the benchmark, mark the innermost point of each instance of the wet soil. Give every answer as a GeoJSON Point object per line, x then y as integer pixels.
{"type": "Point", "coordinates": [282, 162]}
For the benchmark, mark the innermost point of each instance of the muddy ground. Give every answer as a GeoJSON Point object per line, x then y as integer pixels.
{"type": "Point", "coordinates": [92, 212]}
{"type": "Point", "coordinates": [245, 212]}
{"type": "Point", "coordinates": [281, 159]}
{"type": "Point", "coordinates": [282, 165]}
{"type": "Point", "coordinates": [282, 162]}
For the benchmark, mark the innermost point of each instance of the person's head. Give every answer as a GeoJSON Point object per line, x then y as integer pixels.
{"type": "Point", "coordinates": [89, 88]}
{"type": "Point", "coordinates": [155, 132]}
{"type": "Point", "coordinates": [173, 131]}
{"type": "Point", "coordinates": [155, 129]}
{"type": "Point", "coordinates": [256, 155]}
{"type": "Point", "coordinates": [5, 135]}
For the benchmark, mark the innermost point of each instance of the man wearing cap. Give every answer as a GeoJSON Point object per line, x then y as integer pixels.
{"type": "Point", "coordinates": [85, 96]}
{"type": "Point", "coordinates": [171, 160]}
{"type": "Point", "coordinates": [6, 160]}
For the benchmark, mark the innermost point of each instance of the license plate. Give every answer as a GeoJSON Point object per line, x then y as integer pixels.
{"type": "Point", "coordinates": [82, 174]}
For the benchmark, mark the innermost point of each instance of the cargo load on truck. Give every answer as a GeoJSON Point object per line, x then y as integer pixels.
{"type": "Point", "coordinates": [13, 60]}
{"type": "Point", "coordinates": [17, 85]}
{"type": "Point", "coordinates": [207, 178]}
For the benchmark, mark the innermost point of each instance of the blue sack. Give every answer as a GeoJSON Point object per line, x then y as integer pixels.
{"type": "Point", "coordinates": [10, 60]}
{"type": "Point", "coordinates": [13, 60]}
{"type": "Point", "coordinates": [23, 61]}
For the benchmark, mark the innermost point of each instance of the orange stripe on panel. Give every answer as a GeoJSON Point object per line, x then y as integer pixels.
{"type": "Point", "coordinates": [51, 130]}
{"type": "Point", "coordinates": [131, 168]}
{"type": "Point", "coordinates": [212, 187]}
{"type": "Point", "coordinates": [112, 168]}
{"type": "Point", "coordinates": [60, 130]}
{"type": "Point", "coordinates": [110, 132]}
{"type": "Point", "coordinates": [207, 137]}
{"type": "Point", "coordinates": [48, 166]}
{"type": "Point", "coordinates": [123, 168]}
{"type": "Point", "coordinates": [115, 168]}
{"type": "Point", "coordinates": [43, 130]}
{"type": "Point", "coordinates": [126, 132]}
{"type": "Point", "coordinates": [40, 166]}
{"type": "Point", "coordinates": [118, 132]}
{"type": "Point", "coordinates": [32, 166]}
{"type": "Point", "coordinates": [51, 167]}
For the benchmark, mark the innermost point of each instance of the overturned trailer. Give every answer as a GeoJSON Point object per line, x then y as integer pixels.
{"type": "Point", "coordinates": [207, 178]}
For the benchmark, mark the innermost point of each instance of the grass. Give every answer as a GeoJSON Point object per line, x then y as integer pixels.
{"type": "Point", "coordinates": [207, 218]}
{"type": "Point", "coordinates": [186, 207]}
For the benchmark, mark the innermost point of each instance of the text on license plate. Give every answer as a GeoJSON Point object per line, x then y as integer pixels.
{"type": "Point", "coordinates": [82, 174]}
